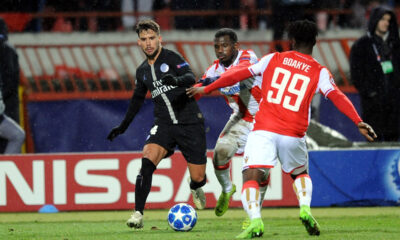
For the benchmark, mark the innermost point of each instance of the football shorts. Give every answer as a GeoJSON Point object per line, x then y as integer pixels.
{"type": "Point", "coordinates": [189, 138]}
{"type": "Point", "coordinates": [263, 150]}
{"type": "Point", "coordinates": [235, 133]}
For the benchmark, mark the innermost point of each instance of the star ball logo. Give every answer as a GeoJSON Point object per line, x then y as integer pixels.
{"type": "Point", "coordinates": [395, 172]}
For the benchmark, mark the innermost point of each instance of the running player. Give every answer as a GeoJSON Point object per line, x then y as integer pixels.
{"type": "Point", "coordinates": [243, 98]}
{"type": "Point", "coordinates": [289, 81]}
{"type": "Point", "coordinates": [178, 120]}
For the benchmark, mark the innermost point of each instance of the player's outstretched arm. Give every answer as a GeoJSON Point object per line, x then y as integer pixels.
{"type": "Point", "coordinates": [134, 107]}
{"type": "Point", "coordinates": [185, 80]}
{"type": "Point", "coordinates": [115, 132]}
{"type": "Point", "coordinates": [227, 79]}
{"type": "Point", "coordinates": [347, 108]}
{"type": "Point", "coordinates": [367, 131]}
{"type": "Point", "coordinates": [195, 91]}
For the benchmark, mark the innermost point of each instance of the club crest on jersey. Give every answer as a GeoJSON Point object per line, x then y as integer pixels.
{"type": "Point", "coordinates": [182, 65]}
{"type": "Point", "coordinates": [164, 67]}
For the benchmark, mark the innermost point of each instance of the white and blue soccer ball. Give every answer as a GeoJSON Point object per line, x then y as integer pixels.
{"type": "Point", "coordinates": [182, 217]}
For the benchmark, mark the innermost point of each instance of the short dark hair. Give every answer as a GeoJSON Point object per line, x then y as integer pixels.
{"type": "Point", "coordinates": [227, 32]}
{"type": "Point", "coordinates": [147, 24]}
{"type": "Point", "coordinates": [304, 32]}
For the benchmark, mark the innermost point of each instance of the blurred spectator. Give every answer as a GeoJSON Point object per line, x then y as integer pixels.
{"type": "Point", "coordinates": [19, 11]}
{"type": "Point", "coordinates": [9, 71]}
{"type": "Point", "coordinates": [163, 8]}
{"type": "Point", "coordinates": [230, 21]}
{"type": "Point", "coordinates": [11, 134]}
{"type": "Point", "coordinates": [375, 72]}
{"type": "Point", "coordinates": [283, 12]}
{"type": "Point", "coordinates": [82, 23]}
{"type": "Point", "coordinates": [104, 23]}
{"type": "Point", "coordinates": [262, 19]}
{"type": "Point", "coordinates": [135, 6]}
{"type": "Point", "coordinates": [358, 19]}
{"type": "Point", "coordinates": [248, 20]}
{"type": "Point", "coordinates": [194, 22]}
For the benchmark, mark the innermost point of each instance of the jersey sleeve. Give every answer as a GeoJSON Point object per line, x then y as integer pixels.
{"type": "Point", "coordinates": [344, 105]}
{"type": "Point", "coordinates": [327, 86]}
{"type": "Point", "coordinates": [248, 56]}
{"type": "Point", "coordinates": [180, 65]}
{"type": "Point", "coordinates": [258, 68]}
{"type": "Point", "coordinates": [229, 78]}
{"type": "Point", "coordinates": [140, 88]}
{"type": "Point", "coordinates": [326, 83]}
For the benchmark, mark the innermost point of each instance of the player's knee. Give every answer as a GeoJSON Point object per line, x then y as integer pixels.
{"type": "Point", "coordinates": [17, 137]}
{"type": "Point", "coordinates": [20, 137]}
{"type": "Point", "coordinates": [299, 171]}
{"type": "Point", "coordinates": [198, 182]}
{"type": "Point", "coordinates": [222, 154]}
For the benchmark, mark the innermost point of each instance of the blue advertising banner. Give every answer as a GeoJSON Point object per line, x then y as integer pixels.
{"type": "Point", "coordinates": [355, 177]}
{"type": "Point", "coordinates": [83, 125]}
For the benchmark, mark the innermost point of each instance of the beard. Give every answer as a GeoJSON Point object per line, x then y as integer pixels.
{"type": "Point", "coordinates": [229, 61]}
{"type": "Point", "coordinates": [153, 55]}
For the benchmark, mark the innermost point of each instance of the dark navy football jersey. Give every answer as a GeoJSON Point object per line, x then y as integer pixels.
{"type": "Point", "coordinates": [171, 104]}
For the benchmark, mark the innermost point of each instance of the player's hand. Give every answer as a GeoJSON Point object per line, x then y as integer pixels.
{"type": "Point", "coordinates": [208, 80]}
{"type": "Point", "coordinates": [168, 79]}
{"type": "Point", "coordinates": [115, 132]}
{"type": "Point", "coordinates": [367, 131]}
{"type": "Point", "coordinates": [191, 92]}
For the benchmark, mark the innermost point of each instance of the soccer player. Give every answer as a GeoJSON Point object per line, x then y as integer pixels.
{"type": "Point", "coordinates": [178, 120]}
{"type": "Point", "coordinates": [289, 81]}
{"type": "Point", "coordinates": [13, 135]}
{"type": "Point", "coordinates": [243, 98]}
{"type": "Point", "coordinates": [9, 129]}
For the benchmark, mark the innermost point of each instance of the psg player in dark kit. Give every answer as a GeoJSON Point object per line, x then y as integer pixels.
{"type": "Point", "coordinates": [178, 120]}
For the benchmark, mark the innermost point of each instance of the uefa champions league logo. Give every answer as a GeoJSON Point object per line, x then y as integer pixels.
{"type": "Point", "coordinates": [396, 173]}
{"type": "Point", "coordinates": [391, 176]}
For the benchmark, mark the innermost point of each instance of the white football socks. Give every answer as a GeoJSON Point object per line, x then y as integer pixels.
{"type": "Point", "coordinates": [224, 179]}
{"type": "Point", "coordinates": [302, 186]}
{"type": "Point", "coordinates": [251, 199]}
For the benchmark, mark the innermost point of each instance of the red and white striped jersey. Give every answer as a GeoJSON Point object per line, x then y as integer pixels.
{"type": "Point", "coordinates": [289, 82]}
{"type": "Point", "coordinates": [243, 97]}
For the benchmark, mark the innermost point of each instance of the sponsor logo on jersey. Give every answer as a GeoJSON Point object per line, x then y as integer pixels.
{"type": "Point", "coordinates": [182, 65]}
{"type": "Point", "coordinates": [230, 90]}
{"type": "Point", "coordinates": [159, 88]}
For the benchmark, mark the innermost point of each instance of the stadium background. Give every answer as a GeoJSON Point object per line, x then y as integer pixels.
{"type": "Point", "coordinates": [75, 87]}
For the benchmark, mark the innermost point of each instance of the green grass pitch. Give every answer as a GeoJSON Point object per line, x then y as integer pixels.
{"type": "Point", "coordinates": [280, 223]}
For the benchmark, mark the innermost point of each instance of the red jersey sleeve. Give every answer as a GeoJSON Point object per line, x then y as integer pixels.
{"type": "Point", "coordinates": [234, 75]}
{"type": "Point", "coordinates": [344, 105]}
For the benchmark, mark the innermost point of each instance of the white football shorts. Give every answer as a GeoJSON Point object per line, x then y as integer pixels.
{"type": "Point", "coordinates": [263, 150]}
{"type": "Point", "coordinates": [235, 133]}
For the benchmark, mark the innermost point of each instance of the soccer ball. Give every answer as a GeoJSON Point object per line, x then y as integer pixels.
{"type": "Point", "coordinates": [182, 217]}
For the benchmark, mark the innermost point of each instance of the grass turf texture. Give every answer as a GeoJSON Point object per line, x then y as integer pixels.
{"type": "Point", "coordinates": [280, 223]}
